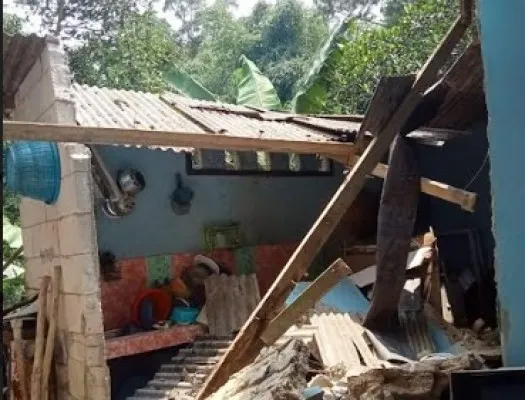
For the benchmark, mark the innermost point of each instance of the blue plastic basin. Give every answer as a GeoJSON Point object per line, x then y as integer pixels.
{"type": "Point", "coordinates": [184, 315]}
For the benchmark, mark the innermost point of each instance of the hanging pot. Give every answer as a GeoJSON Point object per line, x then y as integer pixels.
{"type": "Point", "coordinates": [181, 198]}
{"type": "Point", "coordinates": [131, 181]}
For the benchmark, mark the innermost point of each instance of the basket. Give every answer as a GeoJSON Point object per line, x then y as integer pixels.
{"type": "Point", "coordinates": [184, 315]}
{"type": "Point", "coordinates": [32, 169]}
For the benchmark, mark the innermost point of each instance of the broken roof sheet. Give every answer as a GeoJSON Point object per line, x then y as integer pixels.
{"type": "Point", "coordinates": [19, 55]}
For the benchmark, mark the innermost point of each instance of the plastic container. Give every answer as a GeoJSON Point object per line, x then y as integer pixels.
{"type": "Point", "coordinates": [161, 304]}
{"type": "Point", "coordinates": [32, 169]}
{"type": "Point", "coordinates": [184, 315]}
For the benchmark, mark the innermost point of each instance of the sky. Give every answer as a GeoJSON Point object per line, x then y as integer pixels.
{"type": "Point", "coordinates": [244, 8]}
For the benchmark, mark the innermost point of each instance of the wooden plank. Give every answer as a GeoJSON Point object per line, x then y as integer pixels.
{"type": "Point", "coordinates": [51, 333]}
{"type": "Point", "coordinates": [36, 376]}
{"type": "Point", "coordinates": [15, 130]}
{"type": "Point", "coordinates": [306, 300]}
{"type": "Point", "coordinates": [465, 199]}
{"type": "Point", "coordinates": [248, 343]}
{"type": "Point", "coordinates": [389, 92]}
{"type": "Point", "coordinates": [16, 326]}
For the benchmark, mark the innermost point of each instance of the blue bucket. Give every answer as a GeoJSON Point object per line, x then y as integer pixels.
{"type": "Point", "coordinates": [32, 169]}
{"type": "Point", "coordinates": [184, 315]}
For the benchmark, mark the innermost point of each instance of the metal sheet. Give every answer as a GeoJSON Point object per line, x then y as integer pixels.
{"type": "Point", "coordinates": [230, 300]}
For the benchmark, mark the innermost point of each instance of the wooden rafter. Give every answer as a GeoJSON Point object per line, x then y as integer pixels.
{"type": "Point", "coordinates": [14, 130]}
{"type": "Point", "coordinates": [248, 342]}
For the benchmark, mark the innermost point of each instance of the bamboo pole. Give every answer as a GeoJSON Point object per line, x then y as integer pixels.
{"type": "Point", "coordinates": [16, 325]}
{"type": "Point", "coordinates": [36, 376]}
{"type": "Point", "coordinates": [50, 343]}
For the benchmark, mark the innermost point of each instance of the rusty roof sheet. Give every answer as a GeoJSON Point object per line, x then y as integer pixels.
{"type": "Point", "coordinates": [19, 54]}
{"type": "Point", "coordinates": [245, 122]}
{"type": "Point", "coordinates": [126, 109]}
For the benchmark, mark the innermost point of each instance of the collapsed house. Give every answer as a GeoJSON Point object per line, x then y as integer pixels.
{"type": "Point", "coordinates": [154, 189]}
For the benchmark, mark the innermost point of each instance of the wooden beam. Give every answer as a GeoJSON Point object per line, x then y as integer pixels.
{"type": "Point", "coordinates": [36, 376]}
{"type": "Point", "coordinates": [306, 300]}
{"type": "Point", "coordinates": [15, 130]}
{"type": "Point", "coordinates": [463, 198]}
{"type": "Point", "coordinates": [51, 333]}
{"type": "Point", "coordinates": [248, 342]}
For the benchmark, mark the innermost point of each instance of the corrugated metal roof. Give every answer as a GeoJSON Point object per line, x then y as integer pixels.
{"type": "Point", "coordinates": [19, 54]}
{"type": "Point", "coordinates": [230, 300]}
{"type": "Point", "coordinates": [341, 340]}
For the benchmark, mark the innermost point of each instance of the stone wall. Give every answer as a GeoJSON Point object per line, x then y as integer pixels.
{"type": "Point", "coordinates": [64, 234]}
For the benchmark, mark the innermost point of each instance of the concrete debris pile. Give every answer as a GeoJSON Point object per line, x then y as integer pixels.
{"type": "Point", "coordinates": [426, 379]}
{"type": "Point", "coordinates": [278, 373]}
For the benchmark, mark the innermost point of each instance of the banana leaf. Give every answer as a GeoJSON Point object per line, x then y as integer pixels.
{"type": "Point", "coordinates": [311, 96]}
{"type": "Point", "coordinates": [180, 81]}
{"type": "Point", "coordinates": [255, 89]}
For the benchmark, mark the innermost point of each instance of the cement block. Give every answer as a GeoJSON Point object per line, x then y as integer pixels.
{"type": "Point", "coordinates": [81, 314]}
{"type": "Point", "coordinates": [77, 378]}
{"type": "Point", "coordinates": [77, 350]}
{"type": "Point", "coordinates": [95, 356]}
{"type": "Point", "coordinates": [51, 212]}
{"type": "Point", "coordinates": [80, 274]}
{"type": "Point", "coordinates": [32, 212]}
{"type": "Point", "coordinates": [76, 196]}
{"type": "Point", "coordinates": [77, 234]}
{"type": "Point", "coordinates": [45, 241]}
{"type": "Point", "coordinates": [30, 82]}
{"type": "Point", "coordinates": [35, 269]}
{"type": "Point", "coordinates": [74, 157]}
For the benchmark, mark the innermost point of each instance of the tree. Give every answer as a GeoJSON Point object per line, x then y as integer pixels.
{"type": "Point", "coordinates": [186, 11]}
{"type": "Point", "coordinates": [392, 10]}
{"type": "Point", "coordinates": [134, 58]}
{"type": "Point", "coordinates": [12, 24]}
{"type": "Point", "coordinates": [287, 36]}
{"type": "Point", "coordinates": [398, 49]}
{"type": "Point", "coordinates": [333, 8]}
{"type": "Point", "coordinates": [77, 18]}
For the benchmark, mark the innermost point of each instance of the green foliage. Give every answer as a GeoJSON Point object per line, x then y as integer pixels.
{"type": "Point", "coordinates": [134, 58]}
{"type": "Point", "coordinates": [254, 88]}
{"type": "Point", "coordinates": [398, 49]}
{"type": "Point", "coordinates": [286, 38]}
{"type": "Point", "coordinates": [332, 8]}
{"type": "Point", "coordinates": [311, 95]}
{"type": "Point", "coordinates": [184, 84]}
{"type": "Point", "coordinates": [11, 23]}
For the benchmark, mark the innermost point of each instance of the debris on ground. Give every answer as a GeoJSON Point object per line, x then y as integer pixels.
{"type": "Point", "coordinates": [278, 373]}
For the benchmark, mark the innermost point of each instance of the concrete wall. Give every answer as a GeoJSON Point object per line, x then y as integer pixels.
{"type": "Point", "coordinates": [64, 234]}
{"type": "Point", "coordinates": [503, 50]}
{"type": "Point", "coordinates": [271, 210]}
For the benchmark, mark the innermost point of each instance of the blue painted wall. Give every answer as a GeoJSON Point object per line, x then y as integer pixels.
{"type": "Point", "coordinates": [271, 210]}
{"type": "Point", "coordinates": [503, 50]}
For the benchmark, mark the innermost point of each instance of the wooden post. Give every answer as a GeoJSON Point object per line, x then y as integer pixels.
{"type": "Point", "coordinates": [50, 343]}
{"type": "Point", "coordinates": [36, 376]}
{"type": "Point", "coordinates": [16, 325]}
{"type": "Point", "coordinates": [248, 342]}
{"type": "Point", "coordinates": [306, 300]}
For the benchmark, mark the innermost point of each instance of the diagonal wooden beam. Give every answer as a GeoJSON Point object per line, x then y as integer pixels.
{"type": "Point", "coordinates": [14, 130]}
{"type": "Point", "coordinates": [306, 300]}
{"type": "Point", "coordinates": [248, 342]}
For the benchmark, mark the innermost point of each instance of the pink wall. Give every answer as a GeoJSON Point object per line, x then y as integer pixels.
{"type": "Point", "coordinates": [117, 296]}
